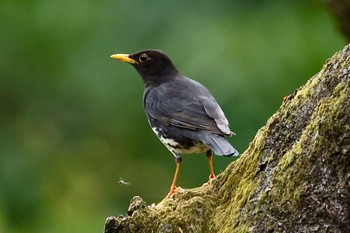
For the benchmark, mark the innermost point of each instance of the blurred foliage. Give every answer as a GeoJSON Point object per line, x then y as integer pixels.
{"type": "Point", "coordinates": [71, 118]}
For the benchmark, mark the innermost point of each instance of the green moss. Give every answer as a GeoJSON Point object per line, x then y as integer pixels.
{"type": "Point", "coordinates": [289, 175]}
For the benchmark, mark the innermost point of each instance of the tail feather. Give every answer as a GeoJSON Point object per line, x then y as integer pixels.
{"type": "Point", "coordinates": [219, 145]}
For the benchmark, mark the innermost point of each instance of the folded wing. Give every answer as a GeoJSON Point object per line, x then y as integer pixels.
{"type": "Point", "coordinates": [191, 108]}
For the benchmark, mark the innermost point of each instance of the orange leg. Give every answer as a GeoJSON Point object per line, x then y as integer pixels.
{"type": "Point", "coordinates": [211, 168]}
{"type": "Point", "coordinates": [173, 187]}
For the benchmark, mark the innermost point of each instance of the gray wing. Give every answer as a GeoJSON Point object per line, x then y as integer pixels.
{"type": "Point", "coordinates": [191, 107]}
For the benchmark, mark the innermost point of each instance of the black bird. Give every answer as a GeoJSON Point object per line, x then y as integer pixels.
{"type": "Point", "coordinates": [181, 112]}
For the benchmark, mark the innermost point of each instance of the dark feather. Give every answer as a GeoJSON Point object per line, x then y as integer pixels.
{"type": "Point", "coordinates": [185, 103]}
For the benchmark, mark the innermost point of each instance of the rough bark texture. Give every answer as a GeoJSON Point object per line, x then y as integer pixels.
{"type": "Point", "coordinates": [294, 176]}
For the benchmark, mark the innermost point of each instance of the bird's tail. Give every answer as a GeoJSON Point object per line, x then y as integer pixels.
{"type": "Point", "coordinates": [219, 145]}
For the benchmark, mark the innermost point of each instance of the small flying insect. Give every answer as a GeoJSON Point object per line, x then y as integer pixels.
{"type": "Point", "coordinates": [123, 182]}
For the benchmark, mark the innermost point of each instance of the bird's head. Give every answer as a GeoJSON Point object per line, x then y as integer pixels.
{"type": "Point", "coordinates": [154, 66]}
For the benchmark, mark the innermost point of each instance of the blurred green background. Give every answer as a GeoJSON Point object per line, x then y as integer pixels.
{"type": "Point", "coordinates": [71, 118]}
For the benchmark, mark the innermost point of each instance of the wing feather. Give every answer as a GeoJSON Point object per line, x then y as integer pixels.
{"type": "Point", "coordinates": [191, 107]}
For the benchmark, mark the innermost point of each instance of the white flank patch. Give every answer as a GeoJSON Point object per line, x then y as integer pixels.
{"type": "Point", "coordinates": [170, 144]}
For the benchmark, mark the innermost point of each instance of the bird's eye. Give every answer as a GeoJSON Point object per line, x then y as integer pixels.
{"type": "Point", "coordinates": [143, 57]}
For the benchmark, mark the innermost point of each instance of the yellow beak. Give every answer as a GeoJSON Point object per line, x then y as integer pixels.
{"type": "Point", "coordinates": [124, 57]}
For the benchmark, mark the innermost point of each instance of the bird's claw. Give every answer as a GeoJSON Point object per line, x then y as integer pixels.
{"type": "Point", "coordinates": [211, 179]}
{"type": "Point", "coordinates": [172, 191]}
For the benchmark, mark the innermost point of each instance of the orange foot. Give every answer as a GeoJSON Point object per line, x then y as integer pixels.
{"type": "Point", "coordinates": [211, 178]}
{"type": "Point", "coordinates": [172, 191]}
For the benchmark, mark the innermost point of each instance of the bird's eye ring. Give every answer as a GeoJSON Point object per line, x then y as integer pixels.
{"type": "Point", "coordinates": [143, 57]}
